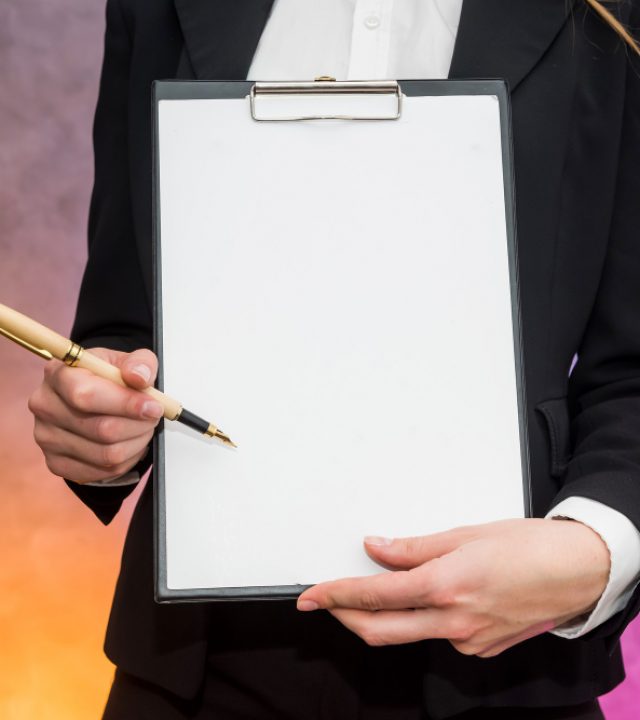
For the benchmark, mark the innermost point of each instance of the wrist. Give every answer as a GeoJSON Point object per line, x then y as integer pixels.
{"type": "Point", "coordinates": [592, 559]}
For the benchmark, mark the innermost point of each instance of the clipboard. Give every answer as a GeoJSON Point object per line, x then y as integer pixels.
{"type": "Point", "coordinates": [336, 284]}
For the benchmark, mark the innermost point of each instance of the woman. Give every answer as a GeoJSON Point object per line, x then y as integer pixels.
{"type": "Point", "coordinates": [482, 599]}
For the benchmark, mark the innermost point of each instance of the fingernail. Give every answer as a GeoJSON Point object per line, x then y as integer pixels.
{"type": "Point", "coordinates": [377, 541]}
{"type": "Point", "coordinates": [142, 371]}
{"type": "Point", "coordinates": [152, 410]}
{"type": "Point", "coordinates": [307, 605]}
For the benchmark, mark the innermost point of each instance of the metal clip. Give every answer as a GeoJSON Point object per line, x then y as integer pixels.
{"type": "Point", "coordinates": [41, 352]}
{"type": "Point", "coordinates": [325, 85]}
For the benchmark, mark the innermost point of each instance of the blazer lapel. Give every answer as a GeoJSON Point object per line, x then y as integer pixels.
{"type": "Point", "coordinates": [505, 38]}
{"type": "Point", "coordinates": [221, 36]}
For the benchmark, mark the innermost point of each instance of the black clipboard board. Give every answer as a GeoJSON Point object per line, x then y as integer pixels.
{"type": "Point", "coordinates": [178, 91]}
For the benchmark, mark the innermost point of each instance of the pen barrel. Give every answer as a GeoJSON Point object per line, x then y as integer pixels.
{"type": "Point", "coordinates": [32, 332]}
{"type": "Point", "coordinates": [41, 337]}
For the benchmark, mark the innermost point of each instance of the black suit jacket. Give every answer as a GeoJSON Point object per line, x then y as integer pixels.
{"type": "Point", "coordinates": [576, 120]}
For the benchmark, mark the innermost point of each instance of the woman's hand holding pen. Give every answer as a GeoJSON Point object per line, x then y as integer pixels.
{"type": "Point", "coordinates": [483, 588]}
{"type": "Point", "coordinates": [89, 428]}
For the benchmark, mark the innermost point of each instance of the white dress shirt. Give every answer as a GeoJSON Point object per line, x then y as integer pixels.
{"type": "Point", "coordinates": [412, 39]}
{"type": "Point", "coordinates": [357, 40]}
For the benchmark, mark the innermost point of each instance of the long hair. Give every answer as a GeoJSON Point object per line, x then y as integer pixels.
{"type": "Point", "coordinates": [613, 21]}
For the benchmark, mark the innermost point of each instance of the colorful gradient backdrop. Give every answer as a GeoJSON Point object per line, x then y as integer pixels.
{"type": "Point", "coordinates": [58, 563]}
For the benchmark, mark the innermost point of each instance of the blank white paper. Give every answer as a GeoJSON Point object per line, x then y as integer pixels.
{"type": "Point", "coordinates": [336, 297]}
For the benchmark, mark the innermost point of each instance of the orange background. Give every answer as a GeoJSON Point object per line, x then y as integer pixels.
{"type": "Point", "coordinates": [58, 563]}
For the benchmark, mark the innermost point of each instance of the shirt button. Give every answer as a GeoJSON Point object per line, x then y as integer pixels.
{"type": "Point", "coordinates": [372, 22]}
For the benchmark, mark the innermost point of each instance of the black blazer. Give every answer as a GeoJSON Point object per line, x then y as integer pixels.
{"type": "Point", "coordinates": [576, 120]}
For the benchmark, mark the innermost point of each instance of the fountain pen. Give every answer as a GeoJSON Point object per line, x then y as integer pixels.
{"type": "Point", "coordinates": [48, 345]}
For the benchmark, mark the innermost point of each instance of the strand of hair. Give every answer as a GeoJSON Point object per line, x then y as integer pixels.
{"type": "Point", "coordinates": [613, 21]}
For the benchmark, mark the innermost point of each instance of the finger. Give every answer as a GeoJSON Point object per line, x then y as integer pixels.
{"type": "Point", "coordinates": [49, 408]}
{"type": "Point", "coordinates": [404, 553]}
{"type": "Point", "coordinates": [139, 368]}
{"type": "Point", "coordinates": [80, 472]}
{"type": "Point", "coordinates": [386, 591]}
{"type": "Point", "coordinates": [55, 441]}
{"type": "Point", "coordinates": [87, 393]}
{"type": "Point", "coordinates": [395, 627]}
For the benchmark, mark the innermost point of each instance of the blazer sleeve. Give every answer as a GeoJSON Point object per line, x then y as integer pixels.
{"type": "Point", "coordinates": [604, 388]}
{"type": "Point", "coordinates": [113, 310]}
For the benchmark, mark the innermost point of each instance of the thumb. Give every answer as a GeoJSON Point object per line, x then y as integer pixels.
{"type": "Point", "coordinates": [139, 368]}
{"type": "Point", "coordinates": [409, 552]}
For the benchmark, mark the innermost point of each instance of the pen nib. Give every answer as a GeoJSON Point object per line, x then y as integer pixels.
{"type": "Point", "coordinates": [213, 431]}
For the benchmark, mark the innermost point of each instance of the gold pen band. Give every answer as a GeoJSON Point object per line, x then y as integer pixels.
{"type": "Point", "coordinates": [176, 414]}
{"type": "Point", "coordinates": [74, 353]}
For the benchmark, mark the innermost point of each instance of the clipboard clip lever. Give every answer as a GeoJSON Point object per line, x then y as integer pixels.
{"type": "Point", "coordinates": [310, 100]}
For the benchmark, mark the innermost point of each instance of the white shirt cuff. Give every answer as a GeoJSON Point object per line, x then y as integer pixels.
{"type": "Point", "coordinates": [623, 541]}
{"type": "Point", "coordinates": [130, 478]}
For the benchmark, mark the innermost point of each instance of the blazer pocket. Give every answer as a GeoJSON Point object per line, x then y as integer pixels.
{"type": "Point", "coordinates": [558, 423]}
